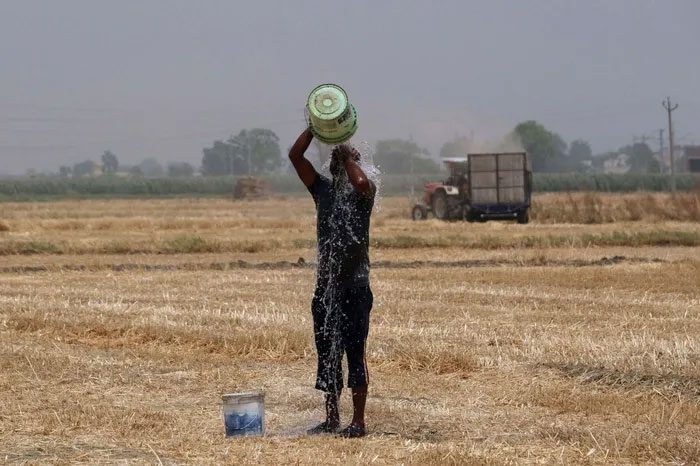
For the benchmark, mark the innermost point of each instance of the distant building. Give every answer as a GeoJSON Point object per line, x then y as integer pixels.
{"type": "Point", "coordinates": [87, 168]}
{"type": "Point", "coordinates": [664, 160]}
{"type": "Point", "coordinates": [617, 165]}
{"type": "Point", "coordinates": [692, 158]}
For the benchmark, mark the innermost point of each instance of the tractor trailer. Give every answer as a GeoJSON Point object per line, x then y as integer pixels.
{"type": "Point", "coordinates": [480, 187]}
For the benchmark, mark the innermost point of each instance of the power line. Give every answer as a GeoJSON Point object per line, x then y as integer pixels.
{"type": "Point", "coordinates": [643, 139]}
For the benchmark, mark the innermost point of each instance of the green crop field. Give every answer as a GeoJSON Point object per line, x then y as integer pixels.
{"type": "Point", "coordinates": [51, 187]}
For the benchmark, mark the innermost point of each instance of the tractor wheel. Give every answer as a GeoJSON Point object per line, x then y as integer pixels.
{"type": "Point", "coordinates": [523, 216]}
{"type": "Point", "coordinates": [469, 215]}
{"type": "Point", "coordinates": [440, 205]}
{"type": "Point", "coordinates": [419, 212]}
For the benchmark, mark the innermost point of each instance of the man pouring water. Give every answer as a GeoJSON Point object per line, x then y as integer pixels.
{"type": "Point", "coordinates": [342, 298]}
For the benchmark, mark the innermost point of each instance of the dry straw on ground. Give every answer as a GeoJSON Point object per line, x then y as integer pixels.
{"type": "Point", "coordinates": [557, 353]}
{"type": "Point", "coordinates": [222, 226]}
{"type": "Point", "coordinates": [602, 208]}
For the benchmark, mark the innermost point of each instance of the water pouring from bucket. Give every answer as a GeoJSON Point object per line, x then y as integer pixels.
{"type": "Point", "coordinates": [332, 119]}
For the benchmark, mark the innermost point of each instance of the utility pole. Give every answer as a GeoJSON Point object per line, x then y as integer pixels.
{"type": "Point", "coordinates": [229, 159]}
{"type": "Point", "coordinates": [670, 108]}
{"type": "Point", "coordinates": [661, 148]}
{"type": "Point", "coordinates": [413, 193]}
{"type": "Point", "coordinates": [247, 151]}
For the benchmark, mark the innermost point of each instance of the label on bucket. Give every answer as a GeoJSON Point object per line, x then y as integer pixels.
{"type": "Point", "coordinates": [343, 118]}
{"type": "Point", "coordinates": [244, 414]}
{"type": "Point", "coordinates": [243, 424]}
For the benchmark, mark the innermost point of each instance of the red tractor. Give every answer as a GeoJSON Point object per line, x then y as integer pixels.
{"type": "Point", "coordinates": [480, 187]}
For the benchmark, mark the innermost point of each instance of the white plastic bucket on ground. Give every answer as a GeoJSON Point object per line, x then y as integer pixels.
{"type": "Point", "coordinates": [332, 119]}
{"type": "Point", "coordinates": [244, 414]}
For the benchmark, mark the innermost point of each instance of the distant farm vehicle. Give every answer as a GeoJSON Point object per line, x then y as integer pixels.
{"type": "Point", "coordinates": [250, 187]}
{"type": "Point", "coordinates": [480, 187]}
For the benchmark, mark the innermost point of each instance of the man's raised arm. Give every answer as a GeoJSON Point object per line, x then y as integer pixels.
{"type": "Point", "coordinates": [358, 178]}
{"type": "Point", "coordinates": [306, 171]}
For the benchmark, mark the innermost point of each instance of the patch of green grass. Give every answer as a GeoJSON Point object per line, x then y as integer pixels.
{"type": "Point", "coordinates": [119, 247]}
{"type": "Point", "coordinates": [41, 247]}
{"type": "Point", "coordinates": [617, 238]}
{"type": "Point", "coordinates": [190, 244]}
{"type": "Point", "coordinates": [184, 244]}
{"type": "Point", "coordinates": [256, 246]}
{"type": "Point", "coordinates": [304, 243]}
{"type": "Point", "coordinates": [644, 238]}
{"type": "Point", "coordinates": [29, 247]}
{"type": "Point", "coordinates": [404, 242]}
{"type": "Point", "coordinates": [490, 242]}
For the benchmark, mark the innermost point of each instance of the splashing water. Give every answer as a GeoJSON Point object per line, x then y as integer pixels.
{"type": "Point", "coordinates": [343, 189]}
{"type": "Point", "coordinates": [372, 171]}
{"type": "Point", "coordinates": [335, 248]}
{"type": "Point", "coordinates": [366, 163]}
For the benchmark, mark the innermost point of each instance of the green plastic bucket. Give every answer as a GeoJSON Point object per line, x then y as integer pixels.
{"type": "Point", "coordinates": [332, 119]}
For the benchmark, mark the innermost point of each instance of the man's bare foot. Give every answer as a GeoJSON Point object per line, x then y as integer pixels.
{"type": "Point", "coordinates": [353, 431]}
{"type": "Point", "coordinates": [325, 427]}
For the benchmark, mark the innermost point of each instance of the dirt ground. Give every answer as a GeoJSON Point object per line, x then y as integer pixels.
{"type": "Point", "coordinates": [123, 322]}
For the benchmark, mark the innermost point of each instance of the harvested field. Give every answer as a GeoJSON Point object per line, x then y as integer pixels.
{"type": "Point", "coordinates": [573, 339]}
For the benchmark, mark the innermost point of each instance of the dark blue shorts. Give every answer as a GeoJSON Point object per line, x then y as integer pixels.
{"type": "Point", "coordinates": [341, 325]}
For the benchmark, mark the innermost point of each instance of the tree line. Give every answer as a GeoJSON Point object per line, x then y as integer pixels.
{"type": "Point", "coordinates": [257, 152]}
{"type": "Point", "coordinates": [149, 167]}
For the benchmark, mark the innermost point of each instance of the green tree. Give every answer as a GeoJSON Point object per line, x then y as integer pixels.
{"type": "Point", "coordinates": [259, 148]}
{"type": "Point", "coordinates": [458, 147]}
{"type": "Point", "coordinates": [110, 162]}
{"type": "Point", "coordinates": [545, 148]}
{"type": "Point", "coordinates": [580, 150]}
{"type": "Point", "coordinates": [85, 168]}
{"type": "Point", "coordinates": [252, 151]}
{"type": "Point", "coordinates": [398, 156]}
{"type": "Point", "coordinates": [65, 171]}
{"type": "Point", "coordinates": [641, 158]}
{"type": "Point", "coordinates": [150, 167]}
{"type": "Point", "coordinates": [180, 169]}
{"type": "Point", "coordinates": [579, 158]}
{"type": "Point", "coordinates": [217, 160]}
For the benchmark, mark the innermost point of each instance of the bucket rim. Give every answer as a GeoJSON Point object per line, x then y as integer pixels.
{"type": "Point", "coordinates": [327, 85]}
{"type": "Point", "coordinates": [237, 397]}
{"type": "Point", "coordinates": [331, 115]}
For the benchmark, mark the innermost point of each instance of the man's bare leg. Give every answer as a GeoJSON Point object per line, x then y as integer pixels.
{"type": "Point", "coordinates": [359, 399]}
{"type": "Point", "coordinates": [357, 426]}
{"type": "Point", "coordinates": [332, 410]}
{"type": "Point", "coordinates": [332, 422]}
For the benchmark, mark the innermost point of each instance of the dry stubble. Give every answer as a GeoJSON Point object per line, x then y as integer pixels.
{"type": "Point", "coordinates": [521, 356]}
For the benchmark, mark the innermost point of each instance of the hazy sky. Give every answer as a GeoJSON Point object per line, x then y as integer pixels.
{"type": "Point", "coordinates": [164, 78]}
